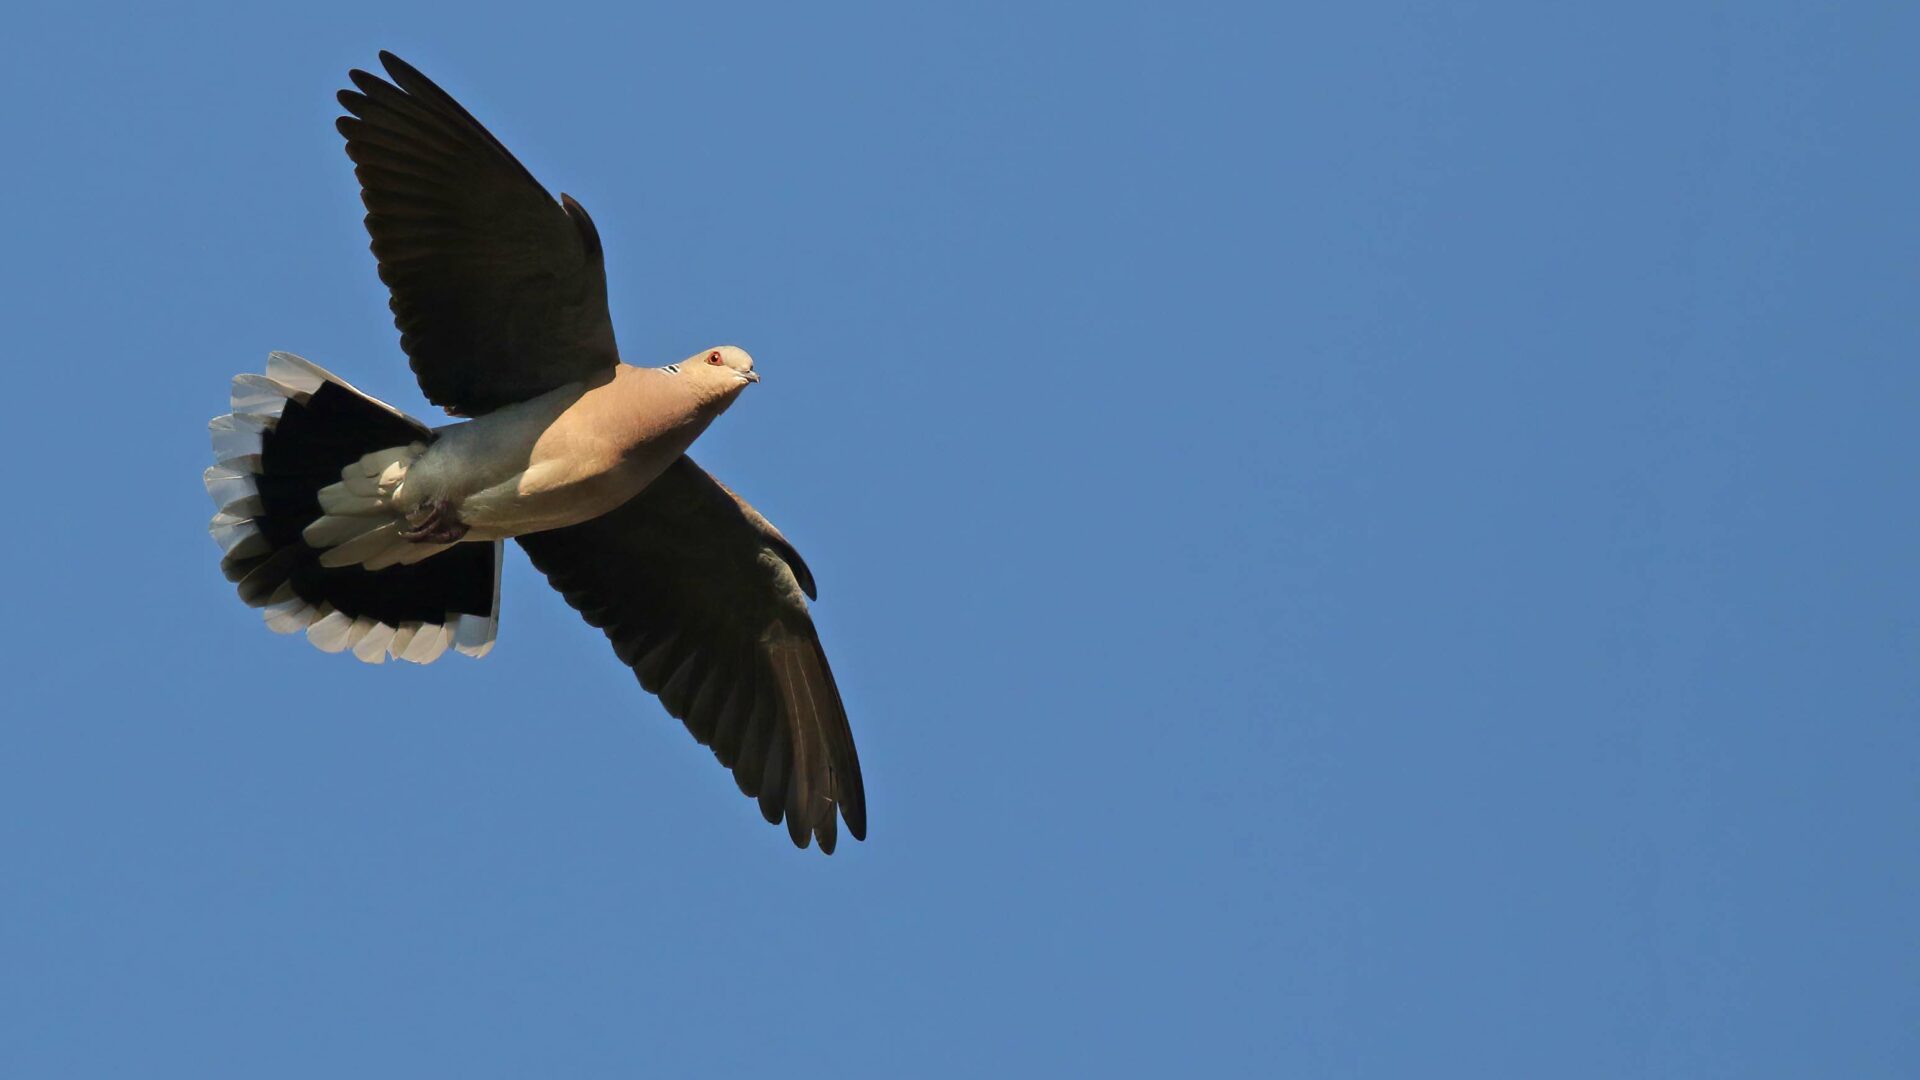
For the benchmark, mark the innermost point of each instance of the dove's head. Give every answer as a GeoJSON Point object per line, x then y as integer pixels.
{"type": "Point", "coordinates": [725, 368]}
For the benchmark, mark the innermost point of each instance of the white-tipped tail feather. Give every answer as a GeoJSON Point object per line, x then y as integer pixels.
{"type": "Point", "coordinates": [476, 633]}
{"type": "Point", "coordinates": [286, 570]}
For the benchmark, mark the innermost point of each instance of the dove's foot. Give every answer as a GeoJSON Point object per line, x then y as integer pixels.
{"type": "Point", "coordinates": [434, 523]}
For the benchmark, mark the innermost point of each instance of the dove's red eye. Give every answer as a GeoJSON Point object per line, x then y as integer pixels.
{"type": "Point", "coordinates": [713, 358]}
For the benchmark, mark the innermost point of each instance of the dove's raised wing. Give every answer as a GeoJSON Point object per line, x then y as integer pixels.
{"type": "Point", "coordinates": [500, 293]}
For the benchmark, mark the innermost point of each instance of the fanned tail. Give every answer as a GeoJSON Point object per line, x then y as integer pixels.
{"type": "Point", "coordinates": [293, 432]}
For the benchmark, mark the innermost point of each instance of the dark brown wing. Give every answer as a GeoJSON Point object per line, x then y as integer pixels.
{"type": "Point", "coordinates": [702, 597]}
{"type": "Point", "coordinates": [499, 292]}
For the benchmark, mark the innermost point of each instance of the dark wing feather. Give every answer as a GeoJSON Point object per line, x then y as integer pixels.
{"type": "Point", "coordinates": [702, 597]}
{"type": "Point", "coordinates": [500, 293]}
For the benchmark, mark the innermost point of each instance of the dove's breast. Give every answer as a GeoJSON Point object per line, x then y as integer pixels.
{"type": "Point", "coordinates": [565, 457]}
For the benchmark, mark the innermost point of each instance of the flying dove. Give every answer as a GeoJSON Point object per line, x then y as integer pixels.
{"type": "Point", "coordinates": [373, 533]}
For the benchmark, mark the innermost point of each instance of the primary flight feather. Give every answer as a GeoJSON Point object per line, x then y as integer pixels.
{"type": "Point", "coordinates": [374, 533]}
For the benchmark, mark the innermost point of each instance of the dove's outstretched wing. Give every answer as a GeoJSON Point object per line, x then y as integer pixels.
{"type": "Point", "coordinates": [499, 292]}
{"type": "Point", "coordinates": [707, 602]}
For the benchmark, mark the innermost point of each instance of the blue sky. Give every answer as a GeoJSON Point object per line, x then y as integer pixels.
{"type": "Point", "coordinates": [1369, 541]}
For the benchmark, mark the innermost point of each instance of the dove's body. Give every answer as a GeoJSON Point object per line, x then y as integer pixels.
{"type": "Point", "coordinates": [565, 457]}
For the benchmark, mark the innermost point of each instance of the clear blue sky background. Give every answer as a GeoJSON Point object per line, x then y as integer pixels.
{"type": "Point", "coordinates": [1365, 541]}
